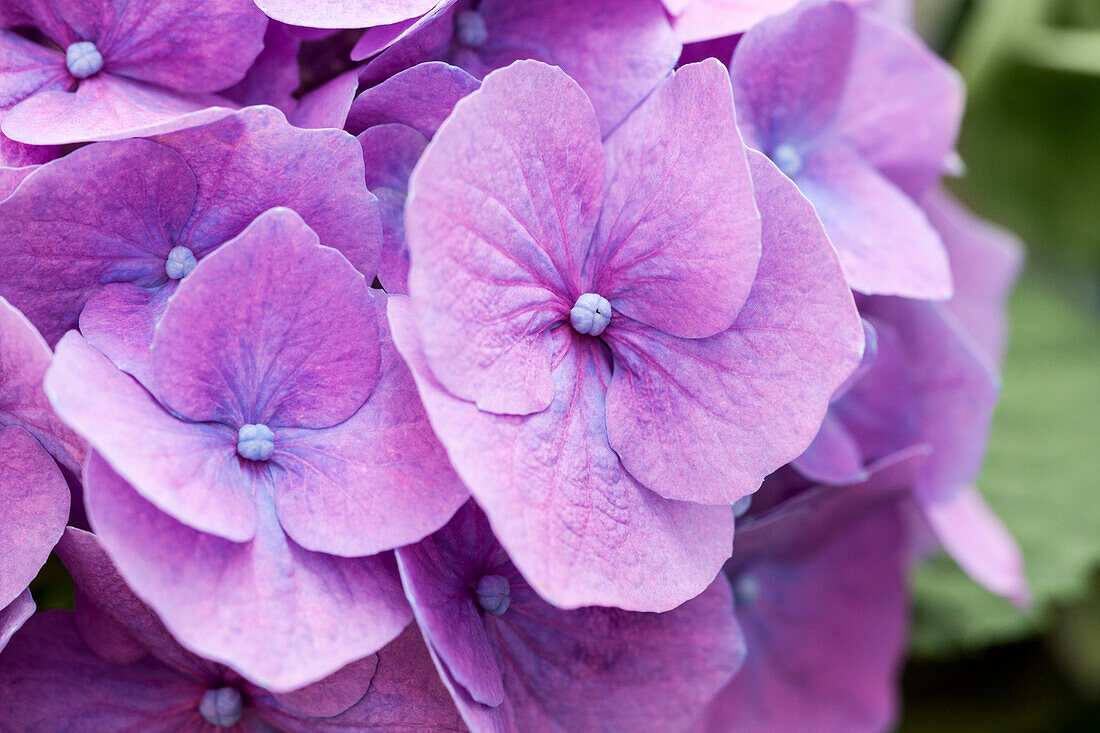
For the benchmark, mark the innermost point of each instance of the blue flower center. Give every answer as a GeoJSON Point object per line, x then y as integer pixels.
{"type": "Point", "coordinates": [255, 442]}
{"type": "Point", "coordinates": [83, 59]}
{"type": "Point", "coordinates": [745, 590]}
{"type": "Point", "coordinates": [222, 707]}
{"type": "Point", "coordinates": [591, 314]}
{"type": "Point", "coordinates": [470, 28]}
{"type": "Point", "coordinates": [181, 261]}
{"type": "Point", "coordinates": [787, 159]}
{"type": "Point", "coordinates": [494, 594]}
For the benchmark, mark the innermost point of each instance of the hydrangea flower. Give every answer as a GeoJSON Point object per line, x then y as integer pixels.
{"type": "Point", "coordinates": [820, 589]}
{"type": "Point", "coordinates": [823, 90]}
{"type": "Point", "coordinates": [617, 50]}
{"type": "Point", "coordinates": [34, 498]}
{"type": "Point", "coordinates": [514, 662]}
{"type": "Point", "coordinates": [601, 341]}
{"type": "Point", "coordinates": [110, 69]}
{"type": "Point", "coordinates": [111, 665]}
{"type": "Point", "coordinates": [274, 448]}
{"type": "Point", "coordinates": [394, 121]}
{"type": "Point", "coordinates": [113, 228]}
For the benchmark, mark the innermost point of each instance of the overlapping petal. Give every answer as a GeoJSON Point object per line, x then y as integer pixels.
{"type": "Point", "coordinates": [734, 407]}
{"type": "Point", "coordinates": [579, 527]}
{"type": "Point", "coordinates": [536, 667]}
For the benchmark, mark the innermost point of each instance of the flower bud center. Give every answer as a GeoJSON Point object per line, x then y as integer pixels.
{"type": "Point", "coordinates": [494, 594]}
{"type": "Point", "coordinates": [255, 442]}
{"type": "Point", "coordinates": [181, 261]}
{"type": "Point", "coordinates": [591, 314]}
{"type": "Point", "coordinates": [222, 707]}
{"type": "Point", "coordinates": [83, 59]}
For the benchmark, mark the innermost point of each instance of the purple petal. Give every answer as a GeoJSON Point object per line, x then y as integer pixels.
{"type": "Point", "coordinates": [956, 390]}
{"type": "Point", "coordinates": [835, 457]}
{"type": "Point", "coordinates": [327, 106]}
{"type": "Point", "coordinates": [884, 240]}
{"type": "Point", "coordinates": [602, 668]}
{"type": "Point", "coordinates": [390, 152]}
{"type": "Point", "coordinates": [10, 178]}
{"type": "Point", "coordinates": [896, 82]}
{"type": "Point", "coordinates": [51, 680]}
{"type": "Point", "coordinates": [68, 242]}
{"type": "Point", "coordinates": [822, 599]}
{"type": "Point", "coordinates": [420, 97]}
{"type": "Point", "coordinates": [618, 51]}
{"type": "Point", "coordinates": [107, 107]}
{"type": "Point", "coordinates": [438, 587]}
{"type": "Point", "coordinates": [24, 359]}
{"type": "Point", "coordinates": [280, 615]}
{"type": "Point", "coordinates": [268, 330]}
{"type": "Point", "coordinates": [274, 77]}
{"type": "Point", "coordinates": [974, 536]}
{"type": "Point", "coordinates": [381, 469]}
{"type": "Point", "coordinates": [103, 598]}
{"type": "Point", "coordinates": [753, 396]}
{"type": "Point", "coordinates": [705, 19]}
{"type": "Point", "coordinates": [577, 525]}
{"type": "Point", "coordinates": [501, 205]}
{"type": "Point", "coordinates": [200, 46]}
{"type": "Point", "coordinates": [14, 615]}
{"type": "Point", "coordinates": [344, 13]}
{"type": "Point", "coordinates": [190, 470]}
{"type": "Point", "coordinates": [678, 239]}
{"type": "Point", "coordinates": [34, 504]}
{"type": "Point", "coordinates": [334, 694]}
{"type": "Point", "coordinates": [120, 320]}
{"type": "Point", "coordinates": [985, 262]}
{"type": "Point", "coordinates": [588, 669]}
{"type": "Point", "coordinates": [252, 151]}
{"type": "Point", "coordinates": [405, 694]}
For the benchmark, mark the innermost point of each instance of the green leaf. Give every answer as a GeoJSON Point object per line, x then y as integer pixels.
{"type": "Point", "coordinates": [1042, 476]}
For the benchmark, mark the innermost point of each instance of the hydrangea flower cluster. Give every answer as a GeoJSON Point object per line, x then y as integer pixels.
{"type": "Point", "coordinates": [409, 364]}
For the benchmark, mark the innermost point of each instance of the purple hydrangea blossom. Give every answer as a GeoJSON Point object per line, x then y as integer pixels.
{"type": "Point", "coordinates": [112, 665]}
{"type": "Point", "coordinates": [929, 384]}
{"type": "Point", "coordinates": [617, 50]}
{"type": "Point", "coordinates": [820, 589]}
{"type": "Point", "coordinates": [513, 662]}
{"type": "Point", "coordinates": [595, 458]}
{"type": "Point", "coordinates": [823, 90]}
{"type": "Point", "coordinates": [274, 447]}
{"type": "Point", "coordinates": [34, 497]}
{"type": "Point", "coordinates": [113, 228]}
{"type": "Point", "coordinates": [933, 381]}
{"type": "Point", "coordinates": [115, 68]}
{"type": "Point", "coordinates": [394, 121]}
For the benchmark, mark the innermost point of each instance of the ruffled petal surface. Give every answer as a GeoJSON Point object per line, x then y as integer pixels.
{"type": "Point", "coordinates": [501, 206]}
{"type": "Point", "coordinates": [706, 419]}
{"type": "Point", "coordinates": [578, 526]}
{"type": "Point", "coordinates": [234, 602]}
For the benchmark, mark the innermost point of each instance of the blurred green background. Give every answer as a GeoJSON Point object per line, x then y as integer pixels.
{"type": "Point", "coordinates": [1031, 143]}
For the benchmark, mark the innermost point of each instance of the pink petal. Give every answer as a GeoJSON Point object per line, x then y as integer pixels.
{"type": "Point", "coordinates": [582, 531]}
{"type": "Point", "coordinates": [678, 239]}
{"type": "Point", "coordinates": [501, 206]}
{"type": "Point", "coordinates": [280, 615]}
